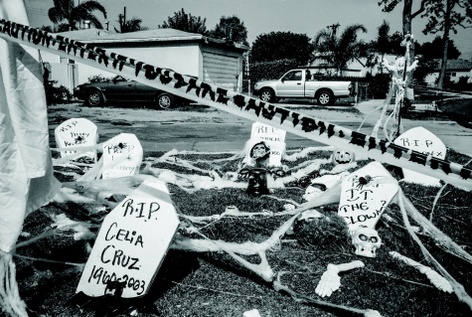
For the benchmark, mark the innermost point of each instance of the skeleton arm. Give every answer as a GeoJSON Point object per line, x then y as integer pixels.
{"type": "Point", "coordinates": [331, 281]}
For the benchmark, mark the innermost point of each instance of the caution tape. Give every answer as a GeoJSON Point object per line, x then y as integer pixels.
{"type": "Point", "coordinates": [238, 104]}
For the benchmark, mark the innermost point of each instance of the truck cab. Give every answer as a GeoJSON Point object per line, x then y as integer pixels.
{"type": "Point", "coordinates": [299, 83]}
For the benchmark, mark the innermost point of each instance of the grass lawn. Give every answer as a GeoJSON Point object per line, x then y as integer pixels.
{"type": "Point", "coordinates": [192, 283]}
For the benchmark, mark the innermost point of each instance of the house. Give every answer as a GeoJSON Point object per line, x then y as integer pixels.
{"type": "Point", "coordinates": [215, 61]}
{"type": "Point", "coordinates": [456, 68]}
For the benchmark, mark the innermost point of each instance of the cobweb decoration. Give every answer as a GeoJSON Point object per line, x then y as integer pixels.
{"type": "Point", "coordinates": [437, 280]}
{"type": "Point", "coordinates": [250, 239]}
{"type": "Point", "coordinates": [407, 208]}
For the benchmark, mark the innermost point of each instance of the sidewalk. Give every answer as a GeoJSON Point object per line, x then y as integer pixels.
{"type": "Point", "coordinates": [451, 134]}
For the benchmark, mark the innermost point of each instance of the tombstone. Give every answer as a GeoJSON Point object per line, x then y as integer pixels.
{"type": "Point", "coordinates": [421, 140]}
{"type": "Point", "coordinates": [365, 194]}
{"type": "Point", "coordinates": [131, 244]}
{"type": "Point", "coordinates": [272, 139]}
{"type": "Point", "coordinates": [122, 156]}
{"type": "Point", "coordinates": [77, 132]}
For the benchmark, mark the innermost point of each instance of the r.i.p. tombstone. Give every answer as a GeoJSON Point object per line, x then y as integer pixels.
{"type": "Point", "coordinates": [365, 194]}
{"type": "Point", "coordinates": [122, 156]}
{"type": "Point", "coordinates": [76, 133]}
{"type": "Point", "coordinates": [421, 140]}
{"type": "Point", "coordinates": [131, 244]}
{"type": "Point", "coordinates": [273, 138]}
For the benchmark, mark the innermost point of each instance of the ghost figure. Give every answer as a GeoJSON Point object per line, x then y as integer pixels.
{"type": "Point", "coordinates": [366, 241]}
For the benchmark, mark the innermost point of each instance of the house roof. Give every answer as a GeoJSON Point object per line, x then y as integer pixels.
{"type": "Point", "coordinates": [157, 35]}
{"type": "Point", "coordinates": [455, 65]}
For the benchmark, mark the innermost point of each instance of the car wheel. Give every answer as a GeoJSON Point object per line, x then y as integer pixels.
{"type": "Point", "coordinates": [267, 95]}
{"type": "Point", "coordinates": [325, 98]}
{"type": "Point", "coordinates": [95, 98]}
{"type": "Point", "coordinates": [164, 101]}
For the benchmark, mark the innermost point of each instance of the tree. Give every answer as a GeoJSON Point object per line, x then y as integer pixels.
{"type": "Point", "coordinates": [338, 51]}
{"type": "Point", "coordinates": [185, 22]}
{"type": "Point", "coordinates": [132, 25]}
{"type": "Point", "coordinates": [435, 49]}
{"type": "Point", "coordinates": [282, 45]}
{"type": "Point", "coordinates": [231, 29]}
{"type": "Point", "coordinates": [66, 15]}
{"type": "Point", "coordinates": [443, 16]}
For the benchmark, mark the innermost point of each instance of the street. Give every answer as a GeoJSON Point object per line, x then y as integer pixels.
{"type": "Point", "coordinates": [210, 130]}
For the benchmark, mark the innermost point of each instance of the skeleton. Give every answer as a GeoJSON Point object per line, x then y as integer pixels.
{"type": "Point", "coordinates": [331, 281]}
{"type": "Point", "coordinates": [366, 240]}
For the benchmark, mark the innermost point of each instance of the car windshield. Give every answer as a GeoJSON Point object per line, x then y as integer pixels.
{"type": "Point", "coordinates": [293, 76]}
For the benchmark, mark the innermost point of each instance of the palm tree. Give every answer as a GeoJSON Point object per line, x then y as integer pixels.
{"type": "Point", "coordinates": [185, 22]}
{"type": "Point", "coordinates": [66, 15]}
{"type": "Point", "coordinates": [127, 26]}
{"type": "Point", "coordinates": [338, 51]}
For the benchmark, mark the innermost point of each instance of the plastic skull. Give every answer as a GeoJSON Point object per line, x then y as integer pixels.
{"type": "Point", "coordinates": [366, 240]}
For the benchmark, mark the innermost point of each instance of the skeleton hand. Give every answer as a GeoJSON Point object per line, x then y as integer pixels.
{"type": "Point", "coordinates": [330, 280]}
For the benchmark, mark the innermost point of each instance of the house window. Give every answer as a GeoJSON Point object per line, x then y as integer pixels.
{"type": "Point", "coordinates": [453, 74]}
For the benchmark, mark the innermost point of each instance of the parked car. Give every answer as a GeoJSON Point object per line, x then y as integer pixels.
{"type": "Point", "coordinates": [120, 89]}
{"type": "Point", "coordinates": [300, 83]}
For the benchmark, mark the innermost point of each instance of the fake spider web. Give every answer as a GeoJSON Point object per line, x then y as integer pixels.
{"type": "Point", "coordinates": [260, 241]}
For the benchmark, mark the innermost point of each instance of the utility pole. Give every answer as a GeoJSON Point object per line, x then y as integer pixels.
{"type": "Point", "coordinates": [334, 28]}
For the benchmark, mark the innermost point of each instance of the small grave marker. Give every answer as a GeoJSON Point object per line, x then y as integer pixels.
{"type": "Point", "coordinates": [131, 244]}
{"type": "Point", "coordinates": [273, 138]}
{"type": "Point", "coordinates": [365, 194]}
{"type": "Point", "coordinates": [77, 132]}
{"type": "Point", "coordinates": [421, 140]}
{"type": "Point", "coordinates": [122, 156]}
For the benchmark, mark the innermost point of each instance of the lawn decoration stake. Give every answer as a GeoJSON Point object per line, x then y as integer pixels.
{"type": "Point", "coordinates": [238, 104]}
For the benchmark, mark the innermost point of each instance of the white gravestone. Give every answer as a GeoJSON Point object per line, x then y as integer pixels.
{"type": "Point", "coordinates": [273, 138]}
{"type": "Point", "coordinates": [122, 156]}
{"type": "Point", "coordinates": [77, 132]}
{"type": "Point", "coordinates": [365, 194]}
{"type": "Point", "coordinates": [421, 140]}
{"type": "Point", "coordinates": [132, 243]}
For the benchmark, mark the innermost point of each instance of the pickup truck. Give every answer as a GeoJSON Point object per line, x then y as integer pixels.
{"type": "Point", "coordinates": [299, 83]}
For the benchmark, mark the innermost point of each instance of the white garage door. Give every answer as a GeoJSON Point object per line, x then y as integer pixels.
{"type": "Point", "coordinates": [221, 70]}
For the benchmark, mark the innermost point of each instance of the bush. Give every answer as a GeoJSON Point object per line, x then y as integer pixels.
{"type": "Point", "coordinates": [379, 85]}
{"type": "Point", "coordinates": [57, 94]}
{"type": "Point", "coordinates": [270, 70]}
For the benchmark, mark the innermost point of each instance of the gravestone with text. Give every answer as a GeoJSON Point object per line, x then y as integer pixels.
{"type": "Point", "coordinates": [365, 194]}
{"type": "Point", "coordinates": [77, 132]}
{"type": "Point", "coordinates": [122, 156]}
{"type": "Point", "coordinates": [131, 244]}
{"type": "Point", "coordinates": [273, 138]}
{"type": "Point", "coordinates": [421, 140]}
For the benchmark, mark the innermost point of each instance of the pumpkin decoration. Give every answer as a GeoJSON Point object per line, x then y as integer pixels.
{"type": "Point", "coordinates": [343, 157]}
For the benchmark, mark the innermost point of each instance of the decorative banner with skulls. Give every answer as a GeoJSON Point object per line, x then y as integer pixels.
{"type": "Point", "coordinates": [365, 194]}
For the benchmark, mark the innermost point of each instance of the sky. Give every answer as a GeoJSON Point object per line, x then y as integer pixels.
{"type": "Point", "coordinates": [262, 16]}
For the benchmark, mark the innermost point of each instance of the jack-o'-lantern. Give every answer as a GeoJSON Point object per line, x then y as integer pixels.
{"type": "Point", "coordinates": [343, 157]}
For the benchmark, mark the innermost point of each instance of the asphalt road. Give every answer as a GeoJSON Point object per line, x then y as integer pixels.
{"type": "Point", "coordinates": [211, 130]}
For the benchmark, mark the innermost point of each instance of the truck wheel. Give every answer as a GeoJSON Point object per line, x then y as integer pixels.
{"type": "Point", "coordinates": [94, 99]}
{"type": "Point", "coordinates": [325, 98]}
{"type": "Point", "coordinates": [267, 95]}
{"type": "Point", "coordinates": [164, 101]}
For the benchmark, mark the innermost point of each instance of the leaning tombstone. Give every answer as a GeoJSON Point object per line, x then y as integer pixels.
{"type": "Point", "coordinates": [365, 194]}
{"type": "Point", "coordinates": [266, 146]}
{"type": "Point", "coordinates": [421, 140]}
{"type": "Point", "coordinates": [77, 132]}
{"type": "Point", "coordinates": [122, 156]}
{"type": "Point", "coordinates": [131, 245]}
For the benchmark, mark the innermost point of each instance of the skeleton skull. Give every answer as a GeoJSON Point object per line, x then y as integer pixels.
{"type": "Point", "coordinates": [366, 240]}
